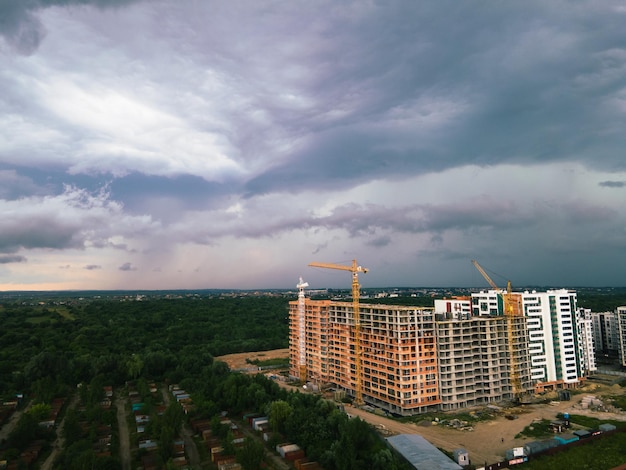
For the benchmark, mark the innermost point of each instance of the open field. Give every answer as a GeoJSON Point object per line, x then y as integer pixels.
{"type": "Point", "coordinates": [240, 360]}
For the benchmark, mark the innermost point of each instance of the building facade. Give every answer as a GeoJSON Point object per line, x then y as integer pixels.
{"type": "Point", "coordinates": [586, 348]}
{"type": "Point", "coordinates": [558, 340]}
{"type": "Point", "coordinates": [398, 362]}
{"type": "Point", "coordinates": [621, 321]}
{"type": "Point", "coordinates": [606, 337]}
{"type": "Point", "coordinates": [315, 340]}
{"type": "Point", "coordinates": [482, 360]}
{"type": "Point", "coordinates": [456, 308]}
{"type": "Point", "coordinates": [609, 335]}
{"type": "Point", "coordinates": [464, 352]}
{"type": "Point", "coordinates": [553, 339]}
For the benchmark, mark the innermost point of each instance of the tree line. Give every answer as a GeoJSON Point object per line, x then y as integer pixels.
{"type": "Point", "coordinates": [48, 349]}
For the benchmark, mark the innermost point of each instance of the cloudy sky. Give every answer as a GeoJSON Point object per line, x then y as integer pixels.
{"type": "Point", "coordinates": [227, 144]}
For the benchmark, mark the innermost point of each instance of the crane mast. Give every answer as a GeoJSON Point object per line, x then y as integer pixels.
{"type": "Point", "coordinates": [302, 329]}
{"type": "Point", "coordinates": [355, 269]}
{"type": "Point", "coordinates": [512, 308]}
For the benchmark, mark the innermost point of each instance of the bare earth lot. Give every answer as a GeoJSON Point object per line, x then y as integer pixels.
{"type": "Point", "coordinates": [238, 361]}
{"type": "Point", "coordinates": [489, 439]}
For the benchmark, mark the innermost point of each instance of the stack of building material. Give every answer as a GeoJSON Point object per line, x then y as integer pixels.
{"type": "Point", "coordinates": [590, 400]}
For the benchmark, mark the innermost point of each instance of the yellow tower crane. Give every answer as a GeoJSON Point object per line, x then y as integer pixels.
{"type": "Point", "coordinates": [512, 308]}
{"type": "Point", "coordinates": [355, 269]}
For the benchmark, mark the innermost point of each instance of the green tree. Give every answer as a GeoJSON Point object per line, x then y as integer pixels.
{"type": "Point", "coordinates": [278, 413]}
{"type": "Point", "coordinates": [134, 365]}
{"type": "Point", "coordinates": [251, 454]}
{"type": "Point", "coordinates": [384, 460]}
{"type": "Point", "coordinates": [40, 411]}
{"type": "Point", "coordinates": [227, 443]}
{"type": "Point", "coordinates": [356, 445]}
{"type": "Point", "coordinates": [71, 427]}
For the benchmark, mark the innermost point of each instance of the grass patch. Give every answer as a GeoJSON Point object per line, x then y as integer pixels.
{"type": "Point", "coordinates": [52, 314]}
{"type": "Point", "coordinates": [538, 430]}
{"type": "Point", "coordinates": [606, 452]}
{"type": "Point", "coordinates": [619, 402]}
{"type": "Point", "coordinates": [64, 312]}
{"type": "Point", "coordinates": [275, 362]}
{"type": "Point", "coordinates": [592, 423]}
{"type": "Point", "coordinates": [445, 417]}
{"type": "Point", "coordinates": [40, 319]}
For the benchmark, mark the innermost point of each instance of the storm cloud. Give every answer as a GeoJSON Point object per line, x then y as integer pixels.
{"type": "Point", "coordinates": [225, 144]}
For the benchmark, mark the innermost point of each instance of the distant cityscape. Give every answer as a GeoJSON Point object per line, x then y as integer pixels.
{"type": "Point", "coordinates": [366, 292]}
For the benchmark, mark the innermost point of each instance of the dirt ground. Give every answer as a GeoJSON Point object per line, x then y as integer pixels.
{"type": "Point", "coordinates": [238, 361]}
{"type": "Point", "coordinates": [489, 440]}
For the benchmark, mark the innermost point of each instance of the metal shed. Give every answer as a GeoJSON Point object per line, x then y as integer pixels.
{"type": "Point", "coordinates": [422, 454]}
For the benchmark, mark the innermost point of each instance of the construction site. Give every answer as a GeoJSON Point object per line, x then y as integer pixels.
{"type": "Point", "coordinates": [493, 346]}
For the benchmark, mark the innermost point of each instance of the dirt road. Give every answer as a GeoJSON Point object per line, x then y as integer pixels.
{"type": "Point", "coordinates": [187, 434]}
{"type": "Point", "coordinates": [59, 443]}
{"type": "Point", "coordinates": [10, 425]}
{"type": "Point", "coordinates": [120, 404]}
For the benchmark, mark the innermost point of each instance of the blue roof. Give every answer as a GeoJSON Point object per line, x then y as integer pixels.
{"type": "Point", "coordinates": [566, 438]}
{"type": "Point", "coordinates": [421, 453]}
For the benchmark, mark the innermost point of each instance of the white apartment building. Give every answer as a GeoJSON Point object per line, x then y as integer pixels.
{"type": "Point", "coordinates": [553, 338]}
{"type": "Point", "coordinates": [621, 319]}
{"type": "Point", "coordinates": [606, 332]}
{"type": "Point", "coordinates": [488, 303]}
{"type": "Point", "coordinates": [456, 308]}
{"type": "Point", "coordinates": [554, 341]}
{"type": "Point", "coordinates": [584, 334]}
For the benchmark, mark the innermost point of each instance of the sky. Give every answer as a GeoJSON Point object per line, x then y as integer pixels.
{"type": "Point", "coordinates": [191, 144]}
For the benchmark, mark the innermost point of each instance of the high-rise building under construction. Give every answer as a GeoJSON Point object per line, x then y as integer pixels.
{"type": "Point", "coordinates": [398, 358]}
{"type": "Point", "coordinates": [460, 353]}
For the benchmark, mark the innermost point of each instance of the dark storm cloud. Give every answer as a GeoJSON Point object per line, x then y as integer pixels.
{"type": "Point", "coordinates": [367, 220]}
{"type": "Point", "coordinates": [361, 220]}
{"type": "Point", "coordinates": [71, 220]}
{"type": "Point", "coordinates": [430, 91]}
{"type": "Point", "coordinates": [455, 129]}
{"type": "Point", "coordinates": [39, 231]}
{"type": "Point", "coordinates": [6, 259]}
{"type": "Point", "coordinates": [612, 184]}
{"type": "Point", "coordinates": [21, 27]}
{"type": "Point", "coordinates": [138, 191]}
{"type": "Point", "coordinates": [127, 267]}
{"type": "Point", "coordinates": [379, 241]}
